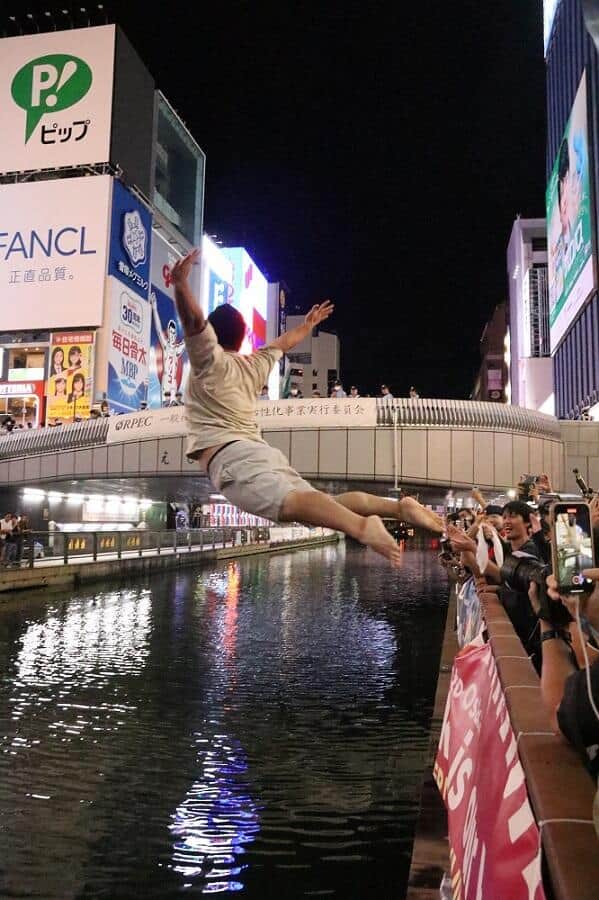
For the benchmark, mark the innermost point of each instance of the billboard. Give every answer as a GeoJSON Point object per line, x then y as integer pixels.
{"type": "Point", "coordinates": [168, 362]}
{"type": "Point", "coordinates": [69, 386]}
{"type": "Point", "coordinates": [216, 275]}
{"type": "Point", "coordinates": [248, 294]}
{"type": "Point", "coordinates": [549, 11]}
{"type": "Point", "coordinates": [53, 249]}
{"type": "Point", "coordinates": [569, 244]}
{"type": "Point", "coordinates": [56, 98]}
{"type": "Point", "coordinates": [128, 348]}
{"type": "Point", "coordinates": [130, 240]}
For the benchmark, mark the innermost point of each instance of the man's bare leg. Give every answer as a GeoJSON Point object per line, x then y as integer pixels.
{"type": "Point", "coordinates": [405, 510]}
{"type": "Point", "coordinates": [316, 508]}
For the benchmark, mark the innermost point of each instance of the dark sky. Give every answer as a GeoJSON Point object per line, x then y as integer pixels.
{"type": "Point", "coordinates": [375, 153]}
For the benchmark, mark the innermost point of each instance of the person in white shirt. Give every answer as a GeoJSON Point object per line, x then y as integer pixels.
{"type": "Point", "coordinates": [223, 434]}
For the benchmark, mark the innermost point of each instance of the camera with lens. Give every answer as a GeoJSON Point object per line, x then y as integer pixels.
{"type": "Point", "coordinates": [517, 573]}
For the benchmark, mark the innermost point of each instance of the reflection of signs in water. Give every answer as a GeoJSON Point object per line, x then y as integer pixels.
{"type": "Point", "coordinates": [217, 818]}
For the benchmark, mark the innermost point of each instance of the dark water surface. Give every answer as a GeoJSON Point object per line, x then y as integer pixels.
{"type": "Point", "coordinates": [256, 727]}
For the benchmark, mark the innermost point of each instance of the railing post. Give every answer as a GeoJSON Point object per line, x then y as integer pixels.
{"type": "Point", "coordinates": [65, 547]}
{"type": "Point", "coordinates": [202, 541]}
{"type": "Point", "coordinates": [119, 544]}
{"type": "Point", "coordinates": [159, 543]}
{"type": "Point", "coordinates": [189, 541]}
{"type": "Point", "coordinates": [95, 546]}
{"type": "Point", "coordinates": [32, 552]}
{"type": "Point", "coordinates": [175, 542]}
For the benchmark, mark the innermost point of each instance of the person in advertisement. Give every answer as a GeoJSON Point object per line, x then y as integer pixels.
{"type": "Point", "coordinates": [171, 375]}
{"type": "Point", "coordinates": [223, 434]}
{"type": "Point", "coordinates": [68, 387]}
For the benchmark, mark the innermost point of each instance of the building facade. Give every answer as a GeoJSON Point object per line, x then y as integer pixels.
{"type": "Point", "coordinates": [572, 60]}
{"type": "Point", "coordinates": [492, 379]}
{"type": "Point", "coordinates": [530, 368]}
{"type": "Point", "coordinates": [314, 364]}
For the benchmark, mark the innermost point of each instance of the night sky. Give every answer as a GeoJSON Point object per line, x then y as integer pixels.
{"type": "Point", "coordinates": [375, 154]}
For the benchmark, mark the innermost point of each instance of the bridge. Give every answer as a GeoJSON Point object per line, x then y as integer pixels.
{"type": "Point", "coordinates": [425, 442]}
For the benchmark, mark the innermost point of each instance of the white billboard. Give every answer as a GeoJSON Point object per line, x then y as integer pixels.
{"type": "Point", "coordinates": [53, 253]}
{"type": "Point", "coordinates": [56, 98]}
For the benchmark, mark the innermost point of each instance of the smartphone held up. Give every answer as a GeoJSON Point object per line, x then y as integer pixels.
{"type": "Point", "coordinates": [572, 546]}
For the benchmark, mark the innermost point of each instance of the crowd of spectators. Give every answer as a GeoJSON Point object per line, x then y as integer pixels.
{"type": "Point", "coordinates": [559, 631]}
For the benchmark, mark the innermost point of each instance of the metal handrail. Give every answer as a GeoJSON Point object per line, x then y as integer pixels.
{"type": "Point", "coordinates": [424, 413]}
{"type": "Point", "coordinates": [61, 547]}
{"type": "Point", "coordinates": [47, 547]}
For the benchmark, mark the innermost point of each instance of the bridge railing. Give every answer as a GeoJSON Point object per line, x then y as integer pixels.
{"type": "Point", "coordinates": [424, 412]}
{"type": "Point", "coordinates": [43, 548]}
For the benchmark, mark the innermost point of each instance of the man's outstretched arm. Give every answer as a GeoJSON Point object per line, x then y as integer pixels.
{"type": "Point", "coordinates": [291, 339]}
{"type": "Point", "coordinates": [190, 313]}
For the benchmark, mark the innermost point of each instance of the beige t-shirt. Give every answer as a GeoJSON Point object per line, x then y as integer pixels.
{"type": "Point", "coordinates": [221, 391]}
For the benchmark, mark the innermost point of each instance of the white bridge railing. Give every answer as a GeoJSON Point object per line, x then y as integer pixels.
{"type": "Point", "coordinates": [403, 413]}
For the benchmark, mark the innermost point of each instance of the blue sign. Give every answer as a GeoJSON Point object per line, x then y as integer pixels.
{"type": "Point", "coordinates": [130, 240]}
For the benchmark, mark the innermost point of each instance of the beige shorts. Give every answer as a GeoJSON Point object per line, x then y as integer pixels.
{"type": "Point", "coordinates": [255, 477]}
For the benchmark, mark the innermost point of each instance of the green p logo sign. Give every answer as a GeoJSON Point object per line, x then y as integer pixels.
{"type": "Point", "coordinates": [49, 84]}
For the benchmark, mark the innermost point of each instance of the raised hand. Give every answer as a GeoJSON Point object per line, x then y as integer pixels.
{"type": "Point", "coordinates": [318, 313]}
{"type": "Point", "coordinates": [180, 271]}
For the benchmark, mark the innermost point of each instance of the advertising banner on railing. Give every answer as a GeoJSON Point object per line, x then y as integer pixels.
{"type": "Point", "coordinates": [316, 413]}
{"type": "Point", "coordinates": [69, 387]}
{"type": "Point", "coordinates": [493, 836]}
{"type": "Point", "coordinates": [153, 423]}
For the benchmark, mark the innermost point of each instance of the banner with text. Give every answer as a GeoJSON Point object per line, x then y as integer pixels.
{"type": "Point", "coordinates": [143, 426]}
{"type": "Point", "coordinates": [53, 248]}
{"type": "Point", "coordinates": [316, 413]}
{"type": "Point", "coordinates": [69, 387]}
{"type": "Point", "coordinates": [128, 349]}
{"type": "Point", "coordinates": [493, 836]}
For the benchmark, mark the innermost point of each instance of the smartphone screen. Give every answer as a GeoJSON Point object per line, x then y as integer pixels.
{"type": "Point", "coordinates": [572, 545]}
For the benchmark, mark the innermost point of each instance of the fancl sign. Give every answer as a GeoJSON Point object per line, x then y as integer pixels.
{"type": "Point", "coordinates": [56, 98]}
{"type": "Point", "coordinates": [66, 241]}
{"type": "Point", "coordinates": [53, 252]}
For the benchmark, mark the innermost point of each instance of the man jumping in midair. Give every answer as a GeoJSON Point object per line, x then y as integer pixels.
{"type": "Point", "coordinates": [223, 435]}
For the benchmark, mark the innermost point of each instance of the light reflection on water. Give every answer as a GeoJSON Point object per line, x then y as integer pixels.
{"type": "Point", "coordinates": [258, 727]}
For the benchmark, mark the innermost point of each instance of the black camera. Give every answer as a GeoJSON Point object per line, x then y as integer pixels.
{"type": "Point", "coordinates": [517, 573]}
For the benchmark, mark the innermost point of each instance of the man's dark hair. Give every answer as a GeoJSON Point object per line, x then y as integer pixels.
{"type": "Point", "coordinates": [518, 508]}
{"type": "Point", "coordinates": [229, 326]}
{"type": "Point", "coordinates": [563, 166]}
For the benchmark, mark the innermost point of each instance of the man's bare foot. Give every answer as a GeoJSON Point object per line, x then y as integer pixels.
{"type": "Point", "coordinates": [376, 536]}
{"type": "Point", "coordinates": [410, 510]}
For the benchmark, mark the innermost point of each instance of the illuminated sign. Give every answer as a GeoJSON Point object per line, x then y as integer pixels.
{"type": "Point", "coordinates": [130, 240]}
{"type": "Point", "coordinates": [53, 249]}
{"type": "Point", "coordinates": [569, 224]}
{"type": "Point", "coordinates": [56, 90]}
{"type": "Point", "coordinates": [249, 294]}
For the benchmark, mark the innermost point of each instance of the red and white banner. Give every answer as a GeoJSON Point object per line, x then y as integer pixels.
{"type": "Point", "coordinates": [493, 836]}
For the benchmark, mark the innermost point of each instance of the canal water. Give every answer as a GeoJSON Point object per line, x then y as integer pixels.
{"type": "Point", "coordinates": [256, 727]}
